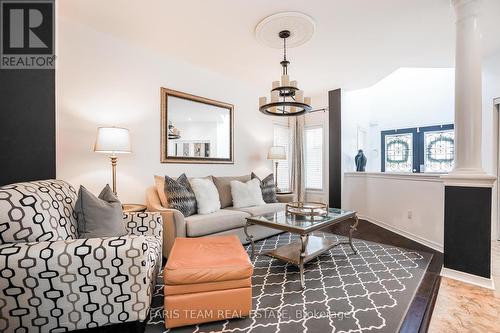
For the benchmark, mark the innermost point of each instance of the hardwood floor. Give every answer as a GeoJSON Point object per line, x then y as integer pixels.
{"type": "Point", "coordinates": [420, 311]}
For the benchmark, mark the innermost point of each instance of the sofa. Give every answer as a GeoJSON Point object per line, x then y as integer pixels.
{"type": "Point", "coordinates": [52, 281]}
{"type": "Point", "coordinates": [226, 221]}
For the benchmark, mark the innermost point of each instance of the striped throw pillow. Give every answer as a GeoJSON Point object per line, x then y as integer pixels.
{"type": "Point", "coordinates": [180, 195]}
{"type": "Point", "coordinates": [268, 188]}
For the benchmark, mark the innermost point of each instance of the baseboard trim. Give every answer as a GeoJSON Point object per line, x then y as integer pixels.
{"type": "Point", "coordinates": [418, 239]}
{"type": "Point", "coordinates": [468, 278]}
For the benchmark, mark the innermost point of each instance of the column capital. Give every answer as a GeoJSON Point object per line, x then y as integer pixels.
{"type": "Point", "coordinates": [464, 179]}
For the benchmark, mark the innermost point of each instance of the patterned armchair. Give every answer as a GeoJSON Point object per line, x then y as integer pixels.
{"type": "Point", "coordinates": [51, 281]}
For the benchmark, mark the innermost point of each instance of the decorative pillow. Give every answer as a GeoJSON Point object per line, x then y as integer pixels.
{"type": "Point", "coordinates": [246, 194]}
{"type": "Point", "coordinates": [268, 188]}
{"type": "Point", "coordinates": [101, 216]}
{"type": "Point", "coordinates": [224, 188]}
{"type": "Point", "coordinates": [180, 195]}
{"type": "Point", "coordinates": [207, 197]}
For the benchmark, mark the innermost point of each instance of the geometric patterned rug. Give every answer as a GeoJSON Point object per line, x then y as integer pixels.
{"type": "Point", "coordinates": [367, 292]}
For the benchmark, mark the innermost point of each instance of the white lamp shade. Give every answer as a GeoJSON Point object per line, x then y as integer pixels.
{"type": "Point", "coordinates": [276, 153]}
{"type": "Point", "coordinates": [112, 140]}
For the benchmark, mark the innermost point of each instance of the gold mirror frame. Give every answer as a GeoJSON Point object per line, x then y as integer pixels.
{"type": "Point", "coordinates": [164, 158]}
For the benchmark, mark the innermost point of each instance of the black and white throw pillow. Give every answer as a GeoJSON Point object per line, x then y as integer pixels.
{"type": "Point", "coordinates": [268, 188]}
{"type": "Point", "coordinates": [180, 195]}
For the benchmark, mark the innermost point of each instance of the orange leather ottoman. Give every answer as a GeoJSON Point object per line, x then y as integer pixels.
{"type": "Point", "coordinates": [207, 279]}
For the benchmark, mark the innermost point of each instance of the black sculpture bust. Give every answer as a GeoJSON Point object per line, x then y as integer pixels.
{"type": "Point", "coordinates": [360, 160]}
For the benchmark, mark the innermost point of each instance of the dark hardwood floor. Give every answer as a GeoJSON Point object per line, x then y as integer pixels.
{"type": "Point", "coordinates": [420, 311]}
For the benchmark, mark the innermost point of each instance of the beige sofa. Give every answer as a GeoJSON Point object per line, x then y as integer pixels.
{"type": "Point", "coordinates": [226, 221]}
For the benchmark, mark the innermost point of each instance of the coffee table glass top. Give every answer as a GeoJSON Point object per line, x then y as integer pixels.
{"type": "Point", "coordinates": [290, 222]}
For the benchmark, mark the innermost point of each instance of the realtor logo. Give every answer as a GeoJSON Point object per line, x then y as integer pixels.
{"type": "Point", "coordinates": [27, 33]}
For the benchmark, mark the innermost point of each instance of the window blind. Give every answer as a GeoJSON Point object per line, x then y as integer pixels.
{"type": "Point", "coordinates": [314, 157]}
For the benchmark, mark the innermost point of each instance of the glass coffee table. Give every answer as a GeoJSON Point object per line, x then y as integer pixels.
{"type": "Point", "coordinates": [309, 247]}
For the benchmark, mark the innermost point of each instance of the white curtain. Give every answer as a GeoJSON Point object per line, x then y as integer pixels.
{"type": "Point", "coordinates": [298, 183]}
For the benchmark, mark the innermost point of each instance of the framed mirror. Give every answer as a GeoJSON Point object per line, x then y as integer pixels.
{"type": "Point", "coordinates": [195, 129]}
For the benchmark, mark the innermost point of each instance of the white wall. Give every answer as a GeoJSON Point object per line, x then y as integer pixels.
{"type": "Point", "coordinates": [412, 206]}
{"type": "Point", "coordinates": [408, 97]}
{"type": "Point", "coordinates": [490, 144]}
{"type": "Point", "coordinates": [356, 112]}
{"type": "Point", "coordinates": [104, 81]}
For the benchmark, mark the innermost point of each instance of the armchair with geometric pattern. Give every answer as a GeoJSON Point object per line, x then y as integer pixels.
{"type": "Point", "coordinates": [52, 281]}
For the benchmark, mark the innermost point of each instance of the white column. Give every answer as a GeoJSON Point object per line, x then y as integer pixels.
{"type": "Point", "coordinates": [468, 100]}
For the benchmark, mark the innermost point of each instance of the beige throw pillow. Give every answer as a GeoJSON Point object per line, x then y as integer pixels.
{"type": "Point", "coordinates": [224, 188]}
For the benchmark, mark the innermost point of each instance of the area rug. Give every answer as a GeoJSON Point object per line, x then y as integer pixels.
{"type": "Point", "coordinates": [367, 292]}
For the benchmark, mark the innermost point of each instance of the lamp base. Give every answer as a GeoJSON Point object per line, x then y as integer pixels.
{"type": "Point", "coordinates": [114, 160]}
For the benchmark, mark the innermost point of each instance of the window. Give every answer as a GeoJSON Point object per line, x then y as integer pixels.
{"type": "Point", "coordinates": [282, 138]}
{"type": "Point", "coordinates": [439, 155]}
{"type": "Point", "coordinates": [314, 157]}
{"type": "Point", "coordinates": [420, 149]}
{"type": "Point", "coordinates": [399, 152]}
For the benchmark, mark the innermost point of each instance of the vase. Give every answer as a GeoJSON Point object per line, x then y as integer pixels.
{"type": "Point", "coordinates": [360, 161]}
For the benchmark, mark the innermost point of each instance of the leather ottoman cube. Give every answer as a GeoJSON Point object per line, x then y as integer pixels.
{"type": "Point", "coordinates": [207, 279]}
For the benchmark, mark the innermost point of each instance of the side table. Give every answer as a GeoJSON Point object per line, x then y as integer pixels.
{"type": "Point", "coordinates": [133, 208]}
{"type": "Point", "coordinates": [284, 196]}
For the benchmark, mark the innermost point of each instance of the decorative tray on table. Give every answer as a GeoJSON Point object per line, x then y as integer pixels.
{"type": "Point", "coordinates": [307, 208]}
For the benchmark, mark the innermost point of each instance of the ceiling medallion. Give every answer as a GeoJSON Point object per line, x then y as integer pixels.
{"type": "Point", "coordinates": [286, 98]}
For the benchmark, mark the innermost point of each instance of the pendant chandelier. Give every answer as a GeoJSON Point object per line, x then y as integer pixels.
{"type": "Point", "coordinates": [286, 98]}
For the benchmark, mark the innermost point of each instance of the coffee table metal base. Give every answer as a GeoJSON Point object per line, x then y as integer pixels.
{"type": "Point", "coordinates": [306, 249]}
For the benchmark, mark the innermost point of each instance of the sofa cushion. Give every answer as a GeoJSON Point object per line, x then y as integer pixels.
{"type": "Point", "coordinates": [100, 216]}
{"type": "Point", "coordinates": [224, 188]}
{"type": "Point", "coordinates": [207, 197]}
{"type": "Point", "coordinates": [246, 194]}
{"type": "Point", "coordinates": [37, 211]}
{"type": "Point", "coordinates": [207, 259]}
{"type": "Point", "coordinates": [262, 209]}
{"type": "Point", "coordinates": [160, 188]}
{"type": "Point", "coordinates": [221, 220]}
{"type": "Point", "coordinates": [180, 195]}
{"type": "Point", "coordinates": [268, 188]}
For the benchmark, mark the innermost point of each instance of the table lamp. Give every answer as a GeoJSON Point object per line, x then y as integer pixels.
{"type": "Point", "coordinates": [113, 141]}
{"type": "Point", "coordinates": [276, 153]}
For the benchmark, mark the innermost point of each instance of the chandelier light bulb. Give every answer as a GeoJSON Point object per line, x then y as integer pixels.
{"type": "Point", "coordinates": [262, 101]}
{"type": "Point", "coordinates": [299, 96]}
{"type": "Point", "coordinates": [285, 80]}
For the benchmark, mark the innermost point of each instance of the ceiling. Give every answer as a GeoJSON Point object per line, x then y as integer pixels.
{"type": "Point", "coordinates": [356, 42]}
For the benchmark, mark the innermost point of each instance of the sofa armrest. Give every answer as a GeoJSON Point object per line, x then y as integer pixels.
{"type": "Point", "coordinates": [99, 280]}
{"type": "Point", "coordinates": [174, 224]}
{"type": "Point", "coordinates": [284, 198]}
{"type": "Point", "coordinates": [173, 220]}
